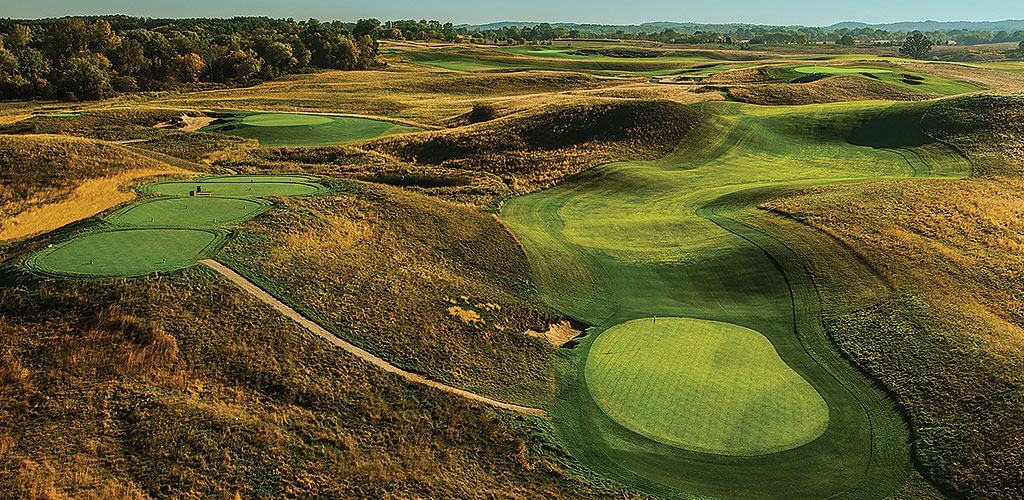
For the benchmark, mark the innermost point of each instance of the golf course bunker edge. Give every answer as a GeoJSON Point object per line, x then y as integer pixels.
{"type": "Point", "coordinates": [704, 386]}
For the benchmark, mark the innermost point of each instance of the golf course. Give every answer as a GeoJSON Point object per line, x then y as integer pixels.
{"type": "Point", "coordinates": [734, 390]}
{"type": "Point", "coordinates": [259, 257]}
{"type": "Point", "coordinates": [169, 231]}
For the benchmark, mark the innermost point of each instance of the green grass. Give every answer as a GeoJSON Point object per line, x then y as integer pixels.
{"type": "Point", "coordinates": [918, 82]}
{"type": "Point", "coordinates": [168, 232]}
{"type": "Point", "coordinates": [131, 252]}
{"type": "Point", "coordinates": [840, 70]}
{"type": "Point", "coordinates": [284, 120]}
{"type": "Point", "coordinates": [188, 212]}
{"type": "Point", "coordinates": [238, 186]}
{"type": "Point", "coordinates": [563, 59]}
{"type": "Point", "coordinates": [296, 129]}
{"type": "Point", "coordinates": [703, 385]}
{"type": "Point", "coordinates": [636, 239]}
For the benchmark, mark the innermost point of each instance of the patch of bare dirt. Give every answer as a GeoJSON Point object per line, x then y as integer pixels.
{"type": "Point", "coordinates": [557, 334]}
{"type": "Point", "coordinates": [187, 123]}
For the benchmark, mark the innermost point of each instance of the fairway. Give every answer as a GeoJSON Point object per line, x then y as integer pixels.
{"type": "Point", "coordinates": [297, 129]}
{"type": "Point", "coordinates": [130, 252]}
{"type": "Point", "coordinates": [191, 212]}
{"type": "Point", "coordinates": [634, 239]}
{"type": "Point", "coordinates": [918, 82]}
{"type": "Point", "coordinates": [705, 386]}
{"type": "Point", "coordinates": [839, 70]}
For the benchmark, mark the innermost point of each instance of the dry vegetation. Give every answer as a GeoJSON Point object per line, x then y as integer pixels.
{"type": "Point", "coordinates": [141, 127]}
{"type": "Point", "coordinates": [534, 150]}
{"type": "Point", "coordinates": [947, 336]}
{"type": "Point", "coordinates": [51, 181]}
{"type": "Point", "coordinates": [835, 89]}
{"type": "Point", "coordinates": [989, 129]}
{"type": "Point", "coordinates": [433, 287]}
{"type": "Point", "coordinates": [183, 386]}
{"type": "Point", "coordinates": [419, 96]}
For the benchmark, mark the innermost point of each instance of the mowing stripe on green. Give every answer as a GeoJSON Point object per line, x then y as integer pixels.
{"type": "Point", "coordinates": [188, 212]}
{"type": "Point", "coordinates": [284, 120]}
{"type": "Point", "coordinates": [702, 385]}
{"type": "Point", "coordinates": [129, 252]}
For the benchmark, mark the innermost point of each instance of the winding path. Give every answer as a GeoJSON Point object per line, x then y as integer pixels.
{"type": "Point", "coordinates": [362, 354]}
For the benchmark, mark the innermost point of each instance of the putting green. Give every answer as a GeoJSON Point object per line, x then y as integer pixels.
{"type": "Point", "coordinates": [839, 70]}
{"type": "Point", "coordinates": [253, 186]}
{"type": "Point", "coordinates": [190, 212]}
{"type": "Point", "coordinates": [131, 252]}
{"type": "Point", "coordinates": [705, 386]}
{"type": "Point", "coordinates": [297, 129]}
{"type": "Point", "coordinates": [284, 120]}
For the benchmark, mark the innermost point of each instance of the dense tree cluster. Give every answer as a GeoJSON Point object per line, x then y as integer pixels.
{"type": "Point", "coordinates": [89, 58]}
{"type": "Point", "coordinates": [766, 35]}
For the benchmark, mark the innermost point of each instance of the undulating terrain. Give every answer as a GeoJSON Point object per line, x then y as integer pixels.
{"type": "Point", "coordinates": [588, 268]}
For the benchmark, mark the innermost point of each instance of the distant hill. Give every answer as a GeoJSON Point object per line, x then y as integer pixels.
{"type": "Point", "coordinates": [1010, 25]}
{"type": "Point", "coordinates": [1007, 25]}
{"type": "Point", "coordinates": [612, 28]}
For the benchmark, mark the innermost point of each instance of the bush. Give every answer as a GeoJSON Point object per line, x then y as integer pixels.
{"type": "Point", "coordinates": [482, 113]}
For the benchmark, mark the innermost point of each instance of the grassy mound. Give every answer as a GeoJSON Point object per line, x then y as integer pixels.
{"type": "Point", "coordinates": [704, 386]}
{"type": "Point", "coordinates": [986, 128]}
{"type": "Point", "coordinates": [535, 149]}
{"type": "Point", "coordinates": [293, 129]}
{"type": "Point", "coordinates": [131, 252]}
{"type": "Point", "coordinates": [826, 90]}
{"type": "Point", "coordinates": [51, 181]}
{"type": "Point", "coordinates": [50, 166]}
{"type": "Point", "coordinates": [105, 124]}
{"type": "Point", "coordinates": [142, 125]}
{"type": "Point", "coordinates": [184, 384]}
{"type": "Point", "coordinates": [434, 287]}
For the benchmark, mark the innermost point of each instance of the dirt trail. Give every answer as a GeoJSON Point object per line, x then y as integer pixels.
{"type": "Point", "coordinates": [306, 323]}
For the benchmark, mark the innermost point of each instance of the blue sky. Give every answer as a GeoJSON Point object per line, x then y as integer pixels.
{"type": "Point", "coordinates": [805, 12]}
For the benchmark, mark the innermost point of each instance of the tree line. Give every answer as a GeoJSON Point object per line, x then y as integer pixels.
{"type": "Point", "coordinates": [91, 58]}
{"type": "Point", "coordinates": [755, 35]}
